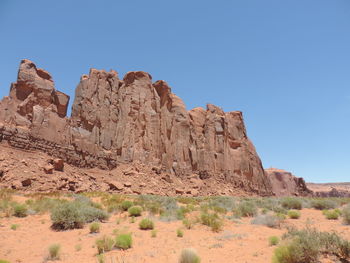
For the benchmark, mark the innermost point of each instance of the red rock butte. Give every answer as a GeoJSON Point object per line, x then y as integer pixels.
{"type": "Point", "coordinates": [130, 121]}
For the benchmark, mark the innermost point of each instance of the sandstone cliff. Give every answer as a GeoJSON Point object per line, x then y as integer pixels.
{"type": "Point", "coordinates": [130, 121]}
{"type": "Point", "coordinates": [286, 184]}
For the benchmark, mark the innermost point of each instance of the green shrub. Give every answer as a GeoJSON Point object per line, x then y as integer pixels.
{"type": "Point", "coordinates": [14, 226]}
{"type": "Point", "coordinates": [331, 214]}
{"type": "Point", "coordinates": [75, 214]}
{"type": "Point", "coordinates": [273, 241]}
{"type": "Point", "coordinates": [54, 252]}
{"type": "Point", "coordinates": [267, 220]}
{"type": "Point", "coordinates": [154, 233]}
{"type": "Point", "coordinates": [189, 255]}
{"type": "Point", "coordinates": [135, 211]}
{"type": "Point", "coordinates": [211, 220]}
{"type": "Point", "coordinates": [246, 209]}
{"type": "Point", "coordinates": [146, 224]}
{"type": "Point", "coordinates": [123, 241]}
{"type": "Point", "coordinates": [104, 244]}
{"type": "Point", "coordinates": [95, 227]}
{"type": "Point", "coordinates": [20, 210]}
{"type": "Point", "coordinates": [4, 261]}
{"type": "Point", "coordinates": [179, 233]}
{"type": "Point", "coordinates": [293, 214]}
{"type": "Point", "coordinates": [292, 203]}
{"type": "Point", "coordinates": [126, 205]}
{"type": "Point", "coordinates": [323, 204]}
{"type": "Point", "coordinates": [307, 245]}
{"type": "Point", "coordinates": [346, 215]}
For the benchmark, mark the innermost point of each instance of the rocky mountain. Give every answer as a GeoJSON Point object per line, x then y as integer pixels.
{"type": "Point", "coordinates": [130, 122]}
{"type": "Point", "coordinates": [286, 184]}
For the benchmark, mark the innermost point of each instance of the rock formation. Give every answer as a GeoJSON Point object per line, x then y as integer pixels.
{"type": "Point", "coordinates": [286, 184]}
{"type": "Point", "coordinates": [128, 121]}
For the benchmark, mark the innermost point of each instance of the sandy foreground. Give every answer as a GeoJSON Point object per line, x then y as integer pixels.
{"type": "Point", "coordinates": [239, 241]}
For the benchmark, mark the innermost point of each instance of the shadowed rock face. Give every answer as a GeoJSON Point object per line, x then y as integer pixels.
{"type": "Point", "coordinates": [286, 184]}
{"type": "Point", "coordinates": [131, 120]}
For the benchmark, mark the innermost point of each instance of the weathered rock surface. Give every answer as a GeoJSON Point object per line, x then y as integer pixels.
{"type": "Point", "coordinates": [286, 184]}
{"type": "Point", "coordinates": [131, 120]}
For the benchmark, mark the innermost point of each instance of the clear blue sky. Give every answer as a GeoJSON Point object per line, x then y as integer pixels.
{"type": "Point", "coordinates": [285, 64]}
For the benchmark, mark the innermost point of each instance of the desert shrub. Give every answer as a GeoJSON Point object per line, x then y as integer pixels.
{"type": "Point", "coordinates": [222, 204]}
{"type": "Point", "coordinates": [292, 203]}
{"type": "Point", "coordinates": [20, 210]}
{"type": "Point", "coordinates": [179, 233]}
{"type": "Point", "coordinates": [135, 211]}
{"type": "Point", "coordinates": [4, 261]}
{"type": "Point", "coordinates": [267, 220]}
{"type": "Point", "coordinates": [14, 226]}
{"type": "Point", "coordinates": [189, 255]}
{"type": "Point", "coordinates": [323, 204]}
{"type": "Point", "coordinates": [104, 244]}
{"type": "Point", "coordinates": [54, 252]}
{"type": "Point", "coordinates": [75, 214]}
{"type": "Point", "coordinates": [125, 205]}
{"type": "Point", "coordinates": [95, 227]}
{"type": "Point", "coordinates": [123, 241]}
{"type": "Point", "coordinates": [293, 214]}
{"type": "Point", "coordinates": [273, 240]}
{"type": "Point", "coordinates": [44, 204]}
{"type": "Point", "coordinates": [346, 215]}
{"type": "Point", "coordinates": [331, 214]}
{"type": "Point", "coordinates": [154, 233]}
{"type": "Point", "coordinates": [246, 209]}
{"type": "Point", "coordinates": [211, 220]}
{"type": "Point", "coordinates": [307, 245]}
{"type": "Point", "coordinates": [146, 224]}
{"type": "Point", "coordinates": [188, 223]}
{"type": "Point", "coordinates": [187, 200]}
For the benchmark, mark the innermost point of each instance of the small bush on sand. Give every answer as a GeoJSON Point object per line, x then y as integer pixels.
{"type": "Point", "coordinates": [273, 240]}
{"type": "Point", "coordinates": [95, 227]}
{"type": "Point", "coordinates": [126, 205]}
{"type": "Point", "coordinates": [247, 209]}
{"type": "Point", "coordinates": [123, 241]}
{"type": "Point", "coordinates": [293, 214]}
{"type": "Point", "coordinates": [154, 233]}
{"type": "Point", "coordinates": [346, 215]}
{"type": "Point", "coordinates": [4, 261]}
{"type": "Point", "coordinates": [211, 220]}
{"type": "Point", "coordinates": [268, 220]}
{"type": "Point", "coordinates": [54, 252]}
{"type": "Point", "coordinates": [179, 233]}
{"type": "Point", "coordinates": [323, 204]}
{"type": "Point", "coordinates": [104, 244]}
{"type": "Point", "coordinates": [189, 255]}
{"type": "Point", "coordinates": [292, 203]}
{"type": "Point", "coordinates": [14, 226]}
{"type": "Point", "coordinates": [146, 224]}
{"type": "Point", "coordinates": [188, 223]}
{"type": "Point", "coordinates": [75, 214]}
{"type": "Point", "coordinates": [331, 214]}
{"type": "Point", "coordinates": [20, 210]}
{"type": "Point", "coordinates": [135, 211]}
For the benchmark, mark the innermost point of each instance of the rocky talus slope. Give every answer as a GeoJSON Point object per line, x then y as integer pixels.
{"type": "Point", "coordinates": [120, 124]}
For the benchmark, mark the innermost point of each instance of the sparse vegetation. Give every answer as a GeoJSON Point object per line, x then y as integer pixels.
{"type": "Point", "coordinates": [323, 204]}
{"type": "Point", "coordinates": [123, 241]}
{"type": "Point", "coordinates": [126, 205]}
{"type": "Point", "coordinates": [95, 227]}
{"type": "Point", "coordinates": [20, 210]}
{"type": "Point", "coordinates": [331, 214]}
{"type": "Point", "coordinates": [188, 223]}
{"type": "Point", "coordinates": [273, 241]}
{"type": "Point", "coordinates": [346, 215]}
{"type": "Point", "coordinates": [292, 203]}
{"type": "Point", "coordinates": [268, 220]}
{"type": "Point", "coordinates": [211, 220]}
{"type": "Point", "coordinates": [146, 224]}
{"type": "Point", "coordinates": [14, 226]}
{"type": "Point", "coordinates": [54, 252]}
{"type": "Point", "coordinates": [292, 214]}
{"type": "Point", "coordinates": [189, 255]}
{"type": "Point", "coordinates": [179, 233]}
{"type": "Point", "coordinates": [246, 209]}
{"type": "Point", "coordinates": [75, 214]}
{"type": "Point", "coordinates": [105, 244]}
{"type": "Point", "coordinates": [154, 233]}
{"type": "Point", "coordinates": [135, 211]}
